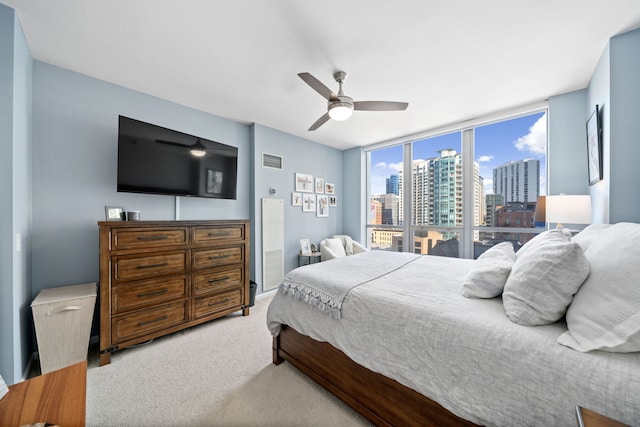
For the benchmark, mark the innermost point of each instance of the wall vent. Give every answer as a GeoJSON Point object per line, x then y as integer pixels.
{"type": "Point", "coordinates": [271, 161]}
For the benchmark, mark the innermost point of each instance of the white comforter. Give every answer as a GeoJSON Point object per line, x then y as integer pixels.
{"type": "Point", "coordinates": [414, 325]}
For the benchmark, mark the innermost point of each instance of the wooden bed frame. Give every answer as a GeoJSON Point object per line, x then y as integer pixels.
{"type": "Point", "coordinates": [381, 400]}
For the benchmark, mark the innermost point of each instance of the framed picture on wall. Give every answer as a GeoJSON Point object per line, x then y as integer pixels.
{"type": "Point", "coordinates": [329, 188]}
{"type": "Point", "coordinates": [304, 183]}
{"type": "Point", "coordinates": [319, 185]}
{"type": "Point", "coordinates": [322, 206]}
{"type": "Point", "coordinates": [296, 199]}
{"type": "Point", "coordinates": [594, 146]}
{"type": "Point", "coordinates": [308, 203]}
{"type": "Point", "coordinates": [333, 201]}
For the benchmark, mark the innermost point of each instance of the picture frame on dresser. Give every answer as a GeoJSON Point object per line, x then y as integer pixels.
{"type": "Point", "coordinates": [114, 213]}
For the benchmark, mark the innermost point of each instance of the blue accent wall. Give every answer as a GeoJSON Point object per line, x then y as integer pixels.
{"type": "Point", "coordinates": [15, 197]}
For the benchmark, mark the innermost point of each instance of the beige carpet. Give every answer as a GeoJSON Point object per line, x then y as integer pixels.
{"type": "Point", "coordinates": [216, 374]}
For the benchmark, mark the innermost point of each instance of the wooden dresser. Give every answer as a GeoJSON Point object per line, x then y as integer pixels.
{"type": "Point", "coordinates": [158, 277]}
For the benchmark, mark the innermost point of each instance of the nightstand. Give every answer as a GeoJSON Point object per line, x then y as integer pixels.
{"type": "Point", "coordinates": [310, 259]}
{"type": "Point", "coordinates": [588, 418]}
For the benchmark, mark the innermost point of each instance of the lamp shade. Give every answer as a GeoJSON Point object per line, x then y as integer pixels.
{"type": "Point", "coordinates": [568, 209]}
{"type": "Point", "coordinates": [340, 110]}
{"type": "Point", "coordinates": [539, 215]}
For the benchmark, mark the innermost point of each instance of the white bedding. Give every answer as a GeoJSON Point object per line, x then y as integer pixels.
{"type": "Point", "coordinates": [414, 325]}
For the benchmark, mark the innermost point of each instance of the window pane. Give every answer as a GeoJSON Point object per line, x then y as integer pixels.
{"type": "Point", "coordinates": [384, 205]}
{"type": "Point", "coordinates": [436, 172]}
{"type": "Point", "coordinates": [512, 162]}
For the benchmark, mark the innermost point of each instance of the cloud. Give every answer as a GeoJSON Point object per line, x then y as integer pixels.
{"type": "Point", "coordinates": [535, 141]}
{"type": "Point", "coordinates": [482, 159]}
{"type": "Point", "coordinates": [395, 166]}
{"type": "Point", "coordinates": [380, 165]}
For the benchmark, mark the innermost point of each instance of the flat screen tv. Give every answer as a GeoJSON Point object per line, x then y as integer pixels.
{"type": "Point", "coordinates": [156, 160]}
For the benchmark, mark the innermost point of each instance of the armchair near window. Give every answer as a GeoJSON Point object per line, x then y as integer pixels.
{"type": "Point", "coordinates": [339, 246]}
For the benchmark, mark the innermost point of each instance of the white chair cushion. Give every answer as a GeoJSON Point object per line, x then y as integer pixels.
{"type": "Point", "coordinates": [335, 246]}
{"type": "Point", "coordinates": [605, 313]}
{"type": "Point", "coordinates": [347, 243]}
{"type": "Point", "coordinates": [490, 272]}
{"type": "Point", "coordinates": [544, 279]}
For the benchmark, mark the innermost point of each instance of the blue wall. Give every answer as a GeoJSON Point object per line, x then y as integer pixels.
{"type": "Point", "coordinates": [302, 156]}
{"type": "Point", "coordinates": [75, 133]}
{"type": "Point", "coordinates": [15, 197]}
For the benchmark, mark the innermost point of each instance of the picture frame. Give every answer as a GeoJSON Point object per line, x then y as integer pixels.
{"type": "Point", "coordinates": [308, 203]}
{"type": "Point", "coordinates": [333, 201]}
{"type": "Point", "coordinates": [594, 146]}
{"type": "Point", "coordinates": [322, 210]}
{"type": "Point", "coordinates": [304, 183]}
{"type": "Point", "coordinates": [114, 213]}
{"type": "Point", "coordinates": [320, 185]}
{"type": "Point", "coordinates": [329, 188]}
{"type": "Point", "coordinates": [296, 199]}
{"type": "Point", "coordinates": [305, 247]}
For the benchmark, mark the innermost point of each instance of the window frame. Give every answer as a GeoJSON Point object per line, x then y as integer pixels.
{"type": "Point", "coordinates": [467, 131]}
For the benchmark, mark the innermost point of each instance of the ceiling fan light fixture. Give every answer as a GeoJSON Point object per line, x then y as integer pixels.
{"type": "Point", "coordinates": [198, 149]}
{"type": "Point", "coordinates": [340, 111]}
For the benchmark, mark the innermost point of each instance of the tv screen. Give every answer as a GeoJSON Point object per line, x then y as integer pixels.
{"type": "Point", "coordinates": [156, 160]}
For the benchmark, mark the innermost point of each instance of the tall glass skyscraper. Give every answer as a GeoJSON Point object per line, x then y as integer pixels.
{"type": "Point", "coordinates": [392, 185]}
{"type": "Point", "coordinates": [518, 180]}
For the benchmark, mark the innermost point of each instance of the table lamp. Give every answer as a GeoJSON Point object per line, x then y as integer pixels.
{"type": "Point", "coordinates": [568, 209]}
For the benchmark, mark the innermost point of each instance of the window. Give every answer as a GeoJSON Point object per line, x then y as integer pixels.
{"type": "Point", "coordinates": [459, 191]}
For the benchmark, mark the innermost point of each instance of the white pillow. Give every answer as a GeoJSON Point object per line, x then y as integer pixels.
{"type": "Point", "coordinates": [490, 272]}
{"type": "Point", "coordinates": [605, 313]}
{"type": "Point", "coordinates": [347, 242]}
{"type": "Point", "coordinates": [544, 279]}
{"type": "Point", "coordinates": [531, 244]}
{"type": "Point", "coordinates": [335, 246]}
{"type": "Point", "coordinates": [589, 235]}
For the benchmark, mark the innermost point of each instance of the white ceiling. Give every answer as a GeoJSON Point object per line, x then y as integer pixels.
{"type": "Point", "coordinates": [451, 60]}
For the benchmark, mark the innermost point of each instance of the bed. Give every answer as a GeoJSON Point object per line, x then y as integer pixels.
{"type": "Point", "coordinates": [392, 335]}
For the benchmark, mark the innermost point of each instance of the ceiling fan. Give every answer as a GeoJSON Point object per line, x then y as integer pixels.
{"type": "Point", "coordinates": [340, 106]}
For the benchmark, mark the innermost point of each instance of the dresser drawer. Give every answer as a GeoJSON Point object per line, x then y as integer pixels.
{"type": "Point", "coordinates": [207, 258]}
{"type": "Point", "coordinates": [217, 234]}
{"type": "Point", "coordinates": [218, 279]}
{"type": "Point", "coordinates": [143, 322]}
{"type": "Point", "coordinates": [142, 266]}
{"type": "Point", "coordinates": [131, 296]}
{"type": "Point", "coordinates": [205, 306]}
{"type": "Point", "coordinates": [139, 238]}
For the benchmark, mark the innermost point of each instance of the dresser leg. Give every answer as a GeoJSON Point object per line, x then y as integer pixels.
{"type": "Point", "coordinates": [105, 359]}
{"type": "Point", "coordinates": [245, 311]}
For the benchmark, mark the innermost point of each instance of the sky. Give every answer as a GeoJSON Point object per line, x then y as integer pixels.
{"type": "Point", "coordinates": [496, 144]}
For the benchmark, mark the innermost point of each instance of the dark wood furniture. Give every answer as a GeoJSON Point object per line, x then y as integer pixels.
{"type": "Point", "coordinates": [57, 398]}
{"type": "Point", "coordinates": [588, 418]}
{"type": "Point", "coordinates": [159, 277]}
{"type": "Point", "coordinates": [381, 400]}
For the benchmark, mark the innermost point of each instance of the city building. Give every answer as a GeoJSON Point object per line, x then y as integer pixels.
{"type": "Point", "coordinates": [518, 180]}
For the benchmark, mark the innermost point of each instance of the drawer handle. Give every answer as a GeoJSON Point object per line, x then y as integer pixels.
{"type": "Point", "coordinates": [153, 237]}
{"type": "Point", "coordinates": [162, 264]}
{"type": "Point", "coordinates": [219, 234]}
{"type": "Point", "coordinates": [63, 309]}
{"type": "Point", "coordinates": [159, 319]}
{"type": "Point", "coordinates": [148, 294]}
{"type": "Point", "coordinates": [219, 256]}
{"type": "Point", "coordinates": [212, 303]}
{"type": "Point", "coordinates": [221, 279]}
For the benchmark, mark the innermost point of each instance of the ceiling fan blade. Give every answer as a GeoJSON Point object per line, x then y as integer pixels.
{"type": "Point", "coordinates": [322, 120]}
{"type": "Point", "coordinates": [177, 144]}
{"type": "Point", "coordinates": [318, 86]}
{"type": "Point", "coordinates": [380, 106]}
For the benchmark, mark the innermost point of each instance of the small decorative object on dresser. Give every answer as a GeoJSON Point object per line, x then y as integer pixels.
{"type": "Point", "coordinates": [158, 277]}
{"type": "Point", "coordinates": [114, 213]}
